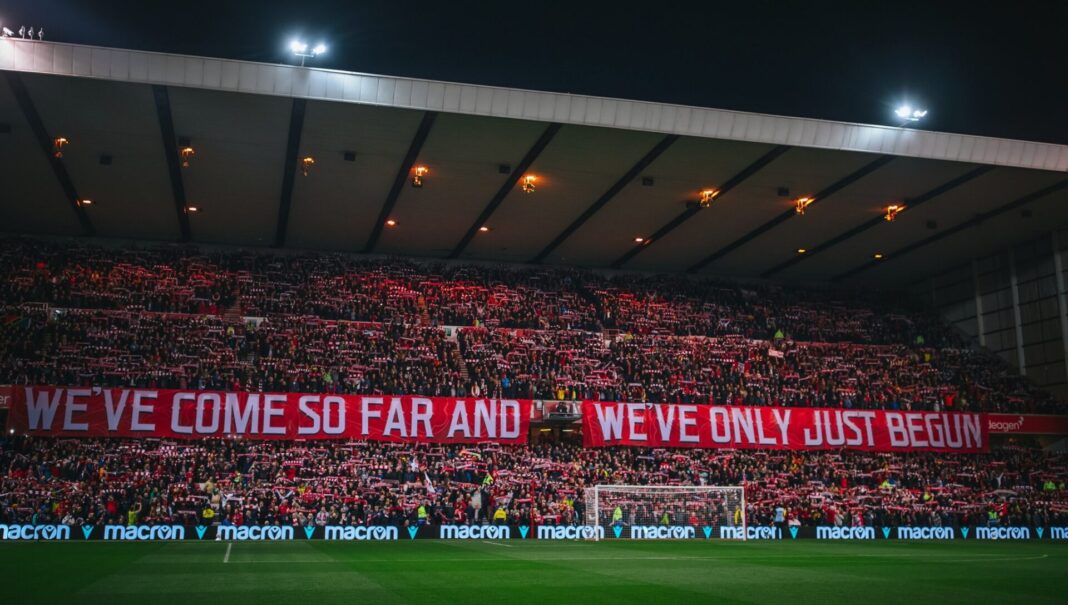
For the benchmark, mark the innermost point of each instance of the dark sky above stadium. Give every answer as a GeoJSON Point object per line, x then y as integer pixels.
{"type": "Point", "coordinates": [997, 69]}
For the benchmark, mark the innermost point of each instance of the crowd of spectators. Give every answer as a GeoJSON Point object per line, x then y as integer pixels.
{"type": "Point", "coordinates": [358, 483]}
{"type": "Point", "coordinates": [112, 348]}
{"type": "Point", "coordinates": [182, 279]}
{"type": "Point", "coordinates": [181, 317]}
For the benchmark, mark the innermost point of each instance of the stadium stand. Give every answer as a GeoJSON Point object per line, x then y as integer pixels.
{"type": "Point", "coordinates": [179, 317]}
{"type": "Point", "coordinates": [102, 481]}
{"type": "Point", "coordinates": [332, 324]}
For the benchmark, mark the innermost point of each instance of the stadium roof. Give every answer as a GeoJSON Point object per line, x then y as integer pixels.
{"type": "Point", "coordinates": [609, 171]}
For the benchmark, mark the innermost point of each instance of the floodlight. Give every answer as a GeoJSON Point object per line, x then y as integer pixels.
{"type": "Point", "coordinates": [8, 33]}
{"type": "Point", "coordinates": [298, 47]}
{"type": "Point", "coordinates": [319, 49]}
{"type": "Point", "coordinates": [909, 113]}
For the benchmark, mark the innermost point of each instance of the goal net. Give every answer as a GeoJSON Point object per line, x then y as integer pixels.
{"type": "Point", "coordinates": [666, 511]}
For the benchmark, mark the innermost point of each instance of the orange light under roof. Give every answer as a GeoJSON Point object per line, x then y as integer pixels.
{"type": "Point", "coordinates": [192, 209]}
{"type": "Point", "coordinates": [391, 223]}
{"type": "Point", "coordinates": [484, 229]}
{"type": "Point", "coordinates": [528, 185]}
{"type": "Point", "coordinates": [892, 211]}
{"type": "Point", "coordinates": [417, 175]}
{"type": "Point", "coordinates": [639, 240]}
{"type": "Point", "coordinates": [84, 202]}
{"type": "Point", "coordinates": [57, 146]}
{"type": "Point", "coordinates": [801, 250]}
{"type": "Point", "coordinates": [802, 203]}
{"type": "Point", "coordinates": [187, 154]}
{"type": "Point", "coordinates": [878, 256]}
{"type": "Point", "coordinates": [706, 197]}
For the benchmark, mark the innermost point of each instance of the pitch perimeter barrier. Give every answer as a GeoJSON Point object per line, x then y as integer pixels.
{"type": "Point", "coordinates": [390, 533]}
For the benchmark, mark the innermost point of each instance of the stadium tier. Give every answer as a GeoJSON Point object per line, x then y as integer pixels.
{"type": "Point", "coordinates": [243, 482]}
{"type": "Point", "coordinates": [179, 318]}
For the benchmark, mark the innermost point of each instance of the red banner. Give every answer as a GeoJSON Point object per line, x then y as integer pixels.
{"type": "Point", "coordinates": [713, 426]}
{"type": "Point", "coordinates": [1027, 424]}
{"type": "Point", "coordinates": [84, 412]}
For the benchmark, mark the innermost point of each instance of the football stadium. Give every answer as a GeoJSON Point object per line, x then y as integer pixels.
{"type": "Point", "coordinates": [275, 332]}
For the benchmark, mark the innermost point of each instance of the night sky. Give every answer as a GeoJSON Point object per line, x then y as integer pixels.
{"type": "Point", "coordinates": [981, 68]}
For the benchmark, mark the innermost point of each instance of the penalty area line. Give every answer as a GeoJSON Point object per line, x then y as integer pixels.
{"type": "Point", "coordinates": [500, 544]}
{"type": "Point", "coordinates": [229, 545]}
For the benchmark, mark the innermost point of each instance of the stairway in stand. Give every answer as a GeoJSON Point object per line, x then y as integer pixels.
{"type": "Point", "coordinates": [233, 315]}
{"type": "Point", "coordinates": [464, 374]}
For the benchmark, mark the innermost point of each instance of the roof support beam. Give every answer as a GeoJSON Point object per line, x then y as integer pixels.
{"type": "Point", "coordinates": [285, 199]}
{"type": "Point", "coordinates": [506, 187]}
{"type": "Point", "coordinates": [398, 181]}
{"type": "Point", "coordinates": [910, 203]}
{"type": "Point", "coordinates": [170, 152]}
{"type": "Point", "coordinates": [972, 222]}
{"type": "Point", "coordinates": [731, 183]}
{"type": "Point", "coordinates": [828, 191]}
{"type": "Point", "coordinates": [607, 196]}
{"type": "Point", "coordinates": [29, 110]}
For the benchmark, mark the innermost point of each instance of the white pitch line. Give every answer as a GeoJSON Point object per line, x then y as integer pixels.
{"type": "Point", "coordinates": [975, 558]}
{"type": "Point", "coordinates": [229, 545]}
{"type": "Point", "coordinates": [500, 544]}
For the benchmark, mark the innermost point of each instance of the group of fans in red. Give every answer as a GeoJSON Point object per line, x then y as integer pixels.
{"type": "Point", "coordinates": [178, 317]}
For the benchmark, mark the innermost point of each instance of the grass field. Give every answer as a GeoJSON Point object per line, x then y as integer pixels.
{"type": "Point", "coordinates": [515, 573]}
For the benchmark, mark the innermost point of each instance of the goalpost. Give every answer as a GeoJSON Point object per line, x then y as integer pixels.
{"type": "Point", "coordinates": [666, 511]}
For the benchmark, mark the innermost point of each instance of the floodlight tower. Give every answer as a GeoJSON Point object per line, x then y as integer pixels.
{"type": "Point", "coordinates": [300, 49]}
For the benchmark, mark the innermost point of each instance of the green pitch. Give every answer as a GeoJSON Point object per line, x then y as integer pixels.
{"type": "Point", "coordinates": [514, 573]}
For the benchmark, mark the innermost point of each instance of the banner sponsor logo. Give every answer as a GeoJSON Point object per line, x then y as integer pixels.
{"type": "Point", "coordinates": [750, 533]}
{"type": "Point", "coordinates": [997, 425]}
{"type": "Point", "coordinates": [240, 533]}
{"type": "Point", "coordinates": [1058, 533]}
{"type": "Point", "coordinates": [200, 531]}
{"type": "Point", "coordinates": [713, 426]}
{"type": "Point", "coordinates": [360, 533]}
{"type": "Point", "coordinates": [793, 532]}
{"type": "Point", "coordinates": [475, 532]}
{"type": "Point", "coordinates": [144, 532]}
{"type": "Point", "coordinates": [523, 529]}
{"type": "Point", "coordinates": [83, 412]}
{"type": "Point", "coordinates": [924, 533]}
{"type": "Point", "coordinates": [662, 532]}
{"type": "Point", "coordinates": [35, 532]}
{"type": "Point", "coordinates": [87, 530]}
{"type": "Point", "coordinates": [569, 532]}
{"type": "Point", "coordinates": [412, 531]}
{"type": "Point", "coordinates": [1002, 533]}
{"type": "Point", "coordinates": [845, 533]}
{"type": "Point", "coordinates": [1024, 424]}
